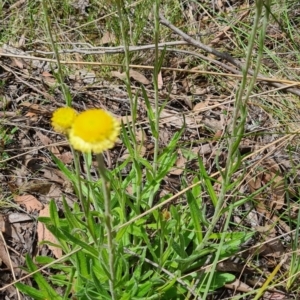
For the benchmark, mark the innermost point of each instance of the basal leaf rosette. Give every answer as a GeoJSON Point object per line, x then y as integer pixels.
{"type": "Point", "coordinates": [63, 118]}
{"type": "Point", "coordinates": [94, 130]}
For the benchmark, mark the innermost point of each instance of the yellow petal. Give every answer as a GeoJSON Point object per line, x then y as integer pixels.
{"type": "Point", "coordinates": [94, 130]}
{"type": "Point", "coordinates": [63, 118]}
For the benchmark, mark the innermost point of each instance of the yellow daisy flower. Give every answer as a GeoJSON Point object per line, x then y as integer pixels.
{"type": "Point", "coordinates": [63, 118]}
{"type": "Point", "coordinates": [94, 130]}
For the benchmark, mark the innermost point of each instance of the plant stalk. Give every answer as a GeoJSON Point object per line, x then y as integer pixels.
{"type": "Point", "coordinates": [239, 116]}
{"type": "Point", "coordinates": [108, 224]}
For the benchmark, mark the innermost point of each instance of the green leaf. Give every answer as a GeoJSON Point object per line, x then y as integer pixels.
{"type": "Point", "coordinates": [138, 172]}
{"type": "Point", "coordinates": [44, 260]}
{"type": "Point", "coordinates": [30, 291]}
{"type": "Point", "coordinates": [207, 182]}
{"type": "Point", "coordinates": [219, 280]}
{"type": "Point", "coordinates": [82, 264]}
{"type": "Point", "coordinates": [65, 235]}
{"type": "Point", "coordinates": [54, 214]}
{"type": "Point", "coordinates": [144, 289]}
{"type": "Point", "coordinates": [178, 249]}
{"type": "Point", "coordinates": [73, 222]}
{"type": "Point", "coordinates": [98, 285]}
{"type": "Point", "coordinates": [197, 255]}
{"type": "Point", "coordinates": [150, 112]}
{"type": "Point", "coordinates": [71, 176]}
{"type": "Point", "coordinates": [167, 285]}
{"type": "Point", "coordinates": [126, 141]}
{"type": "Point", "coordinates": [159, 63]}
{"type": "Point", "coordinates": [195, 211]}
{"type": "Point", "coordinates": [45, 288]}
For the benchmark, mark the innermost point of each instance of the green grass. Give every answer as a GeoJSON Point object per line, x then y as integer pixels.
{"type": "Point", "coordinates": [128, 236]}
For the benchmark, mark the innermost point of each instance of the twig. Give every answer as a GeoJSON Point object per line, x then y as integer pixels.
{"type": "Point", "coordinates": [110, 50]}
{"type": "Point", "coordinates": [9, 263]}
{"type": "Point", "coordinates": [222, 55]}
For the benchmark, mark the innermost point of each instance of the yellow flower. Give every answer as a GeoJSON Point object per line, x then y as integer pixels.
{"type": "Point", "coordinates": [94, 130]}
{"type": "Point", "coordinates": [63, 118]}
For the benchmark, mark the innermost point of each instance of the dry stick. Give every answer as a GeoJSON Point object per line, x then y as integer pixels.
{"type": "Point", "coordinates": [89, 63]}
{"type": "Point", "coordinates": [216, 62]}
{"type": "Point", "coordinates": [222, 55]}
{"type": "Point", "coordinates": [110, 50]}
{"type": "Point", "coordinates": [266, 79]}
{"type": "Point", "coordinates": [10, 263]}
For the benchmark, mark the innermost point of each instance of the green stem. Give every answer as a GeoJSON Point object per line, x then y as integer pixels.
{"type": "Point", "coordinates": [132, 99]}
{"type": "Point", "coordinates": [156, 95]}
{"type": "Point", "coordinates": [90, 179]}
{"type": "Point", "coordinates": [239, 117]}
{"type": "Point", "coordinates": [84, 203]}
{"type": "Point", "coordinates": [108, 224]}
{"type": "Point", "coordinates": [59, 71]}
{"type": "Point", "coordinates": [127, 62]}
{"type": "Point", "coordinates": [155, 82]}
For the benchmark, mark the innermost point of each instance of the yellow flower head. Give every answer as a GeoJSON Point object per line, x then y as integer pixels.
{"type": "Point", "coordinates": [94, 130]}
{"type": "Point", "coordinates": [63, 118]}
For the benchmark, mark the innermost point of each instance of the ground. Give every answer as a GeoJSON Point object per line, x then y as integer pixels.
{"type": "Point", "coordinates": [204, 46]}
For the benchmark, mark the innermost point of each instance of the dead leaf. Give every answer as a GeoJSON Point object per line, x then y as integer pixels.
{"type": "Point", "coordinates": [141, 150]}
{"type": "Point", "coordinates": [36, 186]}
{"type": "Point", "coordinates": [48, 79]}
{"type": "Point", "coordinates": [44, 139]}
{"type": "Point", "coordinates": [134, 74]}
{"type": "Point", "coordinates": [276, 296]}
{"type": "Point", "coordinates": [175, 119]}
{"type": "Point", "coordinates": [218, 134]}
{"type": "Point", "coordinates": [204, 149]}
{"type": "Point", "coordinates": [2, 223]}
{"type": "Point", "coordinates": [4, 256]}
{"type": "Point", "coordinates": [35, 108]}
{"type": "Point", "coordinates": [30, 202]}
{"type": "Point", "coordinates": [88, 77]}
{"type": "Point", "coordinates": [18, 217]}
{"type": "Point", "coordinates": [55, 192]}
{"type": "Point", "coordinates": [179, 165]}
{"type": "Point", "coordinates": [238, 285]}
{"type": "Point", "coordinates": [199, 106]}
{"type": "Point", "coordinates": [278, 189]}
{"type": "Point", "coordinates": [160, 81]}
{"type": "Point", "coordinates": [255, 183]}
{"type": "Point", "coordinates": [139, 77]}
{"type": "Point", "coordinates": [213, 124]}
{"type": "Point", "coordinates": [119, 75]}
{"type": "Point", "coordinates": [54, 175]}
{"type": "Point", "coordinates": [230, 266]}
{"type": "Point", "coordinates": [81, 5]}
{"type": "Point", "coordinates": [66, 157]}
{"type": "Point", "coordinates": [125, 119]}
{"type": "Point", "coordinates": [273, 249]}
{"type": "Point", "coordinates": [140, 136]}
{"type": "Point", "coordinates": [45, 235]}
{"type": "Point", "coordinates": [17, 62]}
{"type": "Point", "coordinates": [32, 116]}
{"type": "Point", "coordinates": [107, 38]}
